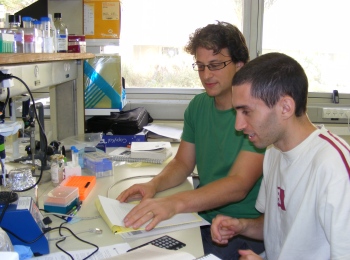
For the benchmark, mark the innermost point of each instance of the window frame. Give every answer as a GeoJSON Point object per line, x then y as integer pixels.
{"type": "Point", "coordinates": [162, 100]}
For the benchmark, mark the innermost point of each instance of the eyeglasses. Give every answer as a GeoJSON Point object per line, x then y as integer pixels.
{"type": "Point", "coordinates": [212, 66]}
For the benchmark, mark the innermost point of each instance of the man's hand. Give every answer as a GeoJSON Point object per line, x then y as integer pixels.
{"type": "Point", "coordinates": [248, 255]}
{"type": "Point", "coordinates": [140, 191]}
{"type": "Point", "coordinates": [154, 209]}
{"type": "Point", "coordinates": [223, 228]}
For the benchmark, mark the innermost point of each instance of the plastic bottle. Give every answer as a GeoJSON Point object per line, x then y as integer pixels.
{"type": "Point", "coordinates": [38, 33]}
{"type": "Point", "coordinates": [15, 28]}
{"type": "Point", "coordinates": [48, 46]}
{"type": "Point", "coordinates": [75, 156]}
{"type": "Point", "coordinates": [29, 35]}
{"type": "Point", "coordinates": [54, 172]}
{"type": "Point", "coordinates": [53, 33]}
{"type": "Point", "coordinates": [61, 33]}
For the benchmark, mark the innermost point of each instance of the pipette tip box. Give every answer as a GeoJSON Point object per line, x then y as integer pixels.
{"type": "Point", "coordinates": [83, 183]}
{"type": "Point", "coordinates": [99, 164]}
{"type": "Point", "coordinates": [61, 199]}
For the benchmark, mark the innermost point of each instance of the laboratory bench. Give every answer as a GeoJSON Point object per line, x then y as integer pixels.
{"type": "Point", "coordinates": [124, 175]}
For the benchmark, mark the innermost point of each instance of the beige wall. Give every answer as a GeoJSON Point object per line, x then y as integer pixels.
{"type": "Point", "coordinates": [72, 14]}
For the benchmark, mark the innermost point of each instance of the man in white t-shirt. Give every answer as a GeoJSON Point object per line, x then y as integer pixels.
{"type": "Point", "coordinates": [305, 192]}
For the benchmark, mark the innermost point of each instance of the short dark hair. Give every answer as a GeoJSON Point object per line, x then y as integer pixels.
{"type": "Point", "coordinates": [273, 76]}
{"type": "Point", "coordinates": [217, 37]}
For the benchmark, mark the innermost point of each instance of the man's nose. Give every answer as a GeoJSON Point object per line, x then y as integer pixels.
{"type": "Point", "coordinates": [207, 73]}
{"type": "Point", "coordinates": [240, 122]}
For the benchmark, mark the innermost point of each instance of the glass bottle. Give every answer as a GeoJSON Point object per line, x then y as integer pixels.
{"type": "Point", "coordinates": [54, 172]}
{"type": "Point", "coordinates": [57, 169]}
{"type": "Point", "coordinates": [61, 169]}
{"type": "Point", "coordinates": [61, 34]}
{"type": "Point", "coordinates": [15, 28]}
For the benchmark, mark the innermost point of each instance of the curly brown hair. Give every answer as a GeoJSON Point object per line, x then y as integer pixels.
{"type": "Point", "coordinates": [217, 37]}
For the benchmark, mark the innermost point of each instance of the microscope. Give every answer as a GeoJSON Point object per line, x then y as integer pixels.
{"type": "Point", "coordinates": [37, 149]}
{"type": "Point", "coordinates": [20, 217]}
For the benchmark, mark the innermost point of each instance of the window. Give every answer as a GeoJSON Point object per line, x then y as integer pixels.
{"type": "Point", "coordinates": [310, 31]}
{"type": "Point", "coordinates": [314, 33]}
{"type": "Point", "coordinates": [12, 6]}
{"type": "Point", "coordinates": [154, 32]}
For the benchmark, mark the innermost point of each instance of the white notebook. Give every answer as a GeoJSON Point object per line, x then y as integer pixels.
{"type": "Point", "coordinates": [124, 154]}
{"type": "Point", "coordinates": [150, 150]}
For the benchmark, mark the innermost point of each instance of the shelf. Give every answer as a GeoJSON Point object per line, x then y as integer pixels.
{"type": "Point", "coordinates": [17, 58]}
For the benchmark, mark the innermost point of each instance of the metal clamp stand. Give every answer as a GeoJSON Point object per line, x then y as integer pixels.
{"type": "Point", "coordinates": [41, 153]}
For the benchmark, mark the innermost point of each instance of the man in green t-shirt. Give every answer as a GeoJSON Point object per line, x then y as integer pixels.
{"type": "Point", "coordinates": [229, 166]}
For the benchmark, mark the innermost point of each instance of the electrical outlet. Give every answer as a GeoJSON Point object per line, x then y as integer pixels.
{"type": "Point", "coordinates": [326, 112]}
{"type": "Point", "coordinates": [342, 113]}
{"type": "Point", "coordinates": [6, 83]}
{"type": "Point", "coordinates": [334, 112]}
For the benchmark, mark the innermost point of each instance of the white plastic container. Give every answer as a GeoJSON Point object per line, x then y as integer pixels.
{"type": "Point", "coordinates": [48, 46]}
{"type": "Point", "coordinates": [29, 35]}
{"type": "Point", "coordinates": [38, 33]}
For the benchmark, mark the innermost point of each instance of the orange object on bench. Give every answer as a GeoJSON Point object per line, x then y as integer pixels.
{"type": "Point", "coordinates": [84, 184]}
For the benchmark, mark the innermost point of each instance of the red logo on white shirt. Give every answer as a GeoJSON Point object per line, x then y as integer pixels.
{"type": "Point", "coordinates": [280, 193]}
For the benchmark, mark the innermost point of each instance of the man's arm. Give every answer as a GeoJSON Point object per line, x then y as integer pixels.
{"type": "Point", "coordinates": [246, 170]}
{"type": "Point", "coordinates": [244, 173]}
{"type": "Point", "coordinates": [174, 173]}
{"type": "Point", "coordinates": [224, 228]}
{"type": "Point", "coordinates": [178, 169]}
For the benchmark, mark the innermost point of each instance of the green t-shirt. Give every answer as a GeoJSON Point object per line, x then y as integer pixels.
{"type": "Point", "coordinates": [217, 146]}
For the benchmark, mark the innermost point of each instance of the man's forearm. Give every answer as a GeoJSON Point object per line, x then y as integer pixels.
{"type": "Point", "coordinates": [213, 195]}
{"type": "Point", "coordinates": [171, 176]}
{"type": "Point", "coordinates": [253, 228]}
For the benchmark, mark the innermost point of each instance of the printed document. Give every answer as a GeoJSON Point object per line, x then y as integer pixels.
{"type": "Point", "coordinates": [173, 132]}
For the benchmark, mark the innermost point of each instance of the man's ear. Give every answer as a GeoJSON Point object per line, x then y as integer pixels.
{"type": "Point", "coordinates": [287, 106]}
{"type": "Point", "coordinates": [239, 65]}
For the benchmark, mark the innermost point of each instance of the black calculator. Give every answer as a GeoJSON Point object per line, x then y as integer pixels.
{"type": "Point", "coordinates": [166, 242]}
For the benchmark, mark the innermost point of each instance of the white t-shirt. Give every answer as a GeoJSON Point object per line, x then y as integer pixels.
{"type": "Point", "coordinates": [305, 196]}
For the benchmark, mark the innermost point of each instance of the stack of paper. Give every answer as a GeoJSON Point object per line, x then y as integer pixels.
{"type": "Point", "coordinates": [164, 132]}
{"type": "Point", "coordinates": [113, 213]}
{"type": "Point", "coordinates": [151, 150]}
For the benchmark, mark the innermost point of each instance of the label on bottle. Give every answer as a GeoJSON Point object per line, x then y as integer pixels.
{"type": "Point", "coordinates": [48, 46]}
{"type": "Point", "coordinates": [28, 38]}
{"type": "Point", "coordinates": [62, 43]}
{"type": "Point", "coordinates": [54, 174]}
{"type": "Point", "coordinates": [18, 37]}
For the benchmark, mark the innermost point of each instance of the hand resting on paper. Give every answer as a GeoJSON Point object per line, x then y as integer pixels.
{"type": "Point", "coordinates": [139, 191]}
{"type": "Point", "coordinates": [154, 209]}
